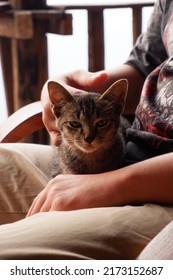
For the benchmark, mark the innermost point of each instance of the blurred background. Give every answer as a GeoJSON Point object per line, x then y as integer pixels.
{"type": "Point", "coordinates": [69, 52]}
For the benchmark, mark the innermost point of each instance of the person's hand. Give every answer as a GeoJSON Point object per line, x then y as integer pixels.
{"type": "Point", "coordinates": [72, 192]}
{"type": "Point", "coordinates": [73, 81]}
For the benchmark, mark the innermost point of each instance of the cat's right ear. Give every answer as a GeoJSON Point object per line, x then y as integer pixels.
{"type": "Point", "coordinates": [118, 91]}
{"type": "Point", "coordinates": [57, 93]}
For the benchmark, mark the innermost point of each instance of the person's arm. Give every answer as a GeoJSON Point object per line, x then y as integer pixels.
{"type": "Point", "coordinates": [148, 181]}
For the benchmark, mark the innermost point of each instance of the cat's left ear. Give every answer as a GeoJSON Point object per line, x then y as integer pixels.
{"type": "Point", "coordinates": [58, 93]}
{"type": "Point", "coordinates": [118, 92]}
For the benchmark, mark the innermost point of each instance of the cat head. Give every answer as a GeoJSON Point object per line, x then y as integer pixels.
{"type": "Point", "coordinates": [88, 121]}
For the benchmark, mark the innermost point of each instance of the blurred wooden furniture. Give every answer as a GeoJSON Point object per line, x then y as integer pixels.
{"type": "Point", "coordinates": [23, 47]}
{"type": "Point", "coordinates": [22, 123]}
{"type": "Point", "coordinates": [96, 24]}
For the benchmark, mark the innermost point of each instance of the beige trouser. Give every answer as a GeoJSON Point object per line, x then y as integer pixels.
{"type": "Point", "coordinates": [160, 247]}
{"type": "Point", "coordinates": [100, 233]}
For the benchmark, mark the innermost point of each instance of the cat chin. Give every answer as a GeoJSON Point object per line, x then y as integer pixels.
{"type": "Point", "coordinates": [88, 150]}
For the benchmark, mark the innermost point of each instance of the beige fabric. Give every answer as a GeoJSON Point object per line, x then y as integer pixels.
{"type": "Point", "coordinates": [24, 171]}
{"type": "Point", "coordinates": [161, 247]}
{"type": "Point", "coordinates": [101, 233]}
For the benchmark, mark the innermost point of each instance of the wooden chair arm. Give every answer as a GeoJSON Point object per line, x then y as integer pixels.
{"type": "Point", "coordinates": [22, 123]}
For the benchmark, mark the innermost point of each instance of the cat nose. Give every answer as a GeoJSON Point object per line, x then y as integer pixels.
{"type": "Point", "coordinates": [89, 139]}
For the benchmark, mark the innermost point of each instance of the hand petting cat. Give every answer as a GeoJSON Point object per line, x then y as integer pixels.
{"type": "Point", "coordinates": [73, 81]}
{"type": "Point", "coordinates": [96, 82]}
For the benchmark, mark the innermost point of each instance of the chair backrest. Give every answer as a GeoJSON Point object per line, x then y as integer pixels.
{"type": "Point", "coordinates": [22, 123]}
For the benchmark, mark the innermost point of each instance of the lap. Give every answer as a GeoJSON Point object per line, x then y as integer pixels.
{"type": "Point", "coordinates": [24, 172]}
{"type": "Point", "coordinates": [39, 155]}
{"type": "Point", "coordinates": [100, 233]}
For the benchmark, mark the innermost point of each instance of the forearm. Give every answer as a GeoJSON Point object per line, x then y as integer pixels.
{"type": "Point", "coordinates": [148, 181]}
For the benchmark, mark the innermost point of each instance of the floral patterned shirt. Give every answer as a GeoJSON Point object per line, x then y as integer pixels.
{"type": "Point", "coordinates": [152, 131]}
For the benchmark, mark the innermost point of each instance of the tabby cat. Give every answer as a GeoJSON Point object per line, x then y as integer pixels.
{"type": "Point", "coordinates": [92, 137]}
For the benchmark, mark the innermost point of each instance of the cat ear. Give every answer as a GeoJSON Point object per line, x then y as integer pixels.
{"type": "Point", "coordinates": [118, 91]}
{"type": "Point", "coordinates": [58, 93]}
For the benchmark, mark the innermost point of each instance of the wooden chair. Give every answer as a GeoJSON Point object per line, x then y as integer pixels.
{"type": "Point", "coordinates": [22, 123]}
{"type": "Point", "coordinates": [23, 50]}
{"type": "Point", "coordinates": [23, 47]}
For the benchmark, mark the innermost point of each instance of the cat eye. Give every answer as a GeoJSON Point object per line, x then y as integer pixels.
{"type": "Point", "coordinates": [75, 124]}
{"type": "Point", "coordinates": [102, 123]}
